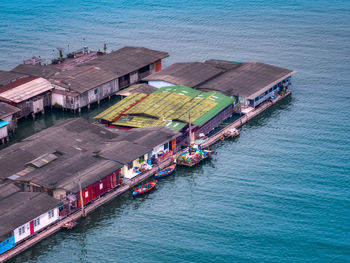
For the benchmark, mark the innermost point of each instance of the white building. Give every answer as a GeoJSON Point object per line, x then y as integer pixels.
{"type": "Point", "coordinates": [8, 122]}
{"type": "Point", "coordinates": [25, 213]}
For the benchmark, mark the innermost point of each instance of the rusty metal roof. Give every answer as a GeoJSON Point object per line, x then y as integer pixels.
{"type": "Point", "coordinates": [189, 74]}
{"type": "Point", "coordinates": [22, 90]}
{"type": "Point", "coordinates": [7, 110]}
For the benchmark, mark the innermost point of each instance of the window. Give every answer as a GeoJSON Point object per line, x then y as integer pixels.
{"type": "Point", "coordinates": [51, 213]}
{"type": "Point", "coordinates": [86, 194]}
{"type": "Point", "coordinates": [130, 165]}
{"type": "Point", "coordinates": [166, 146]}
{"type": "Point", "coordinates": [141, 159]}
{"type": "Point", "coordinates": [101, 186]}
{"type": "Point", "coordinates": [21, 230]}
{"type": "Point", "coordinates": [95, 91]}
{"type": "Point", "coordinates": [37, 222]}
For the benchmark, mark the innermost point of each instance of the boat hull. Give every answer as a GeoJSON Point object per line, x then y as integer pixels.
{"type": "Point", "coordinates": [144, 188]}
{"type": "Point", "coordinates": [165, 172]}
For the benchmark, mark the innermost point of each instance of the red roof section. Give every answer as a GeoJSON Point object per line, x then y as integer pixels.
{"type": "Point", "coordinates": [16, 83]}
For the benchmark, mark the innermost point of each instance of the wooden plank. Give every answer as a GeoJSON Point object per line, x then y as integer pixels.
{"type": "Point", "coordinates": [129, 184]}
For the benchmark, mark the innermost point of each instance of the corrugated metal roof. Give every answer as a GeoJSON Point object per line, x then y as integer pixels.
{"type": "Point", "coordinates": [148, 122]}
{"type": "Point", "coordinates": [43, 160]}
{"type": "Point", "coordinates": [83, 78]}
{"type": "Point", "coordinates": [181, 103]}
{"type": "Point", "coordinates": [7, 110]}
{"type": "Point", "coordinates": [173, 106]}
{"type": "Point", "coordinates": [26, 90]}
{"type": "Point", "coordinates": [21, 207]}
{"type": "Point", "coordinates": [114, 111]}
{"type": "Point", "coordinates": [36, 70]}
{"type": "Point", "coordinates": [189, 74]}
{"type": "Point", "coordinates": [130, 152]}
{"type": "Point", "coordinates": [137, 88]}
{"type": "Point", "coordinates": [127, 59]}
{"type": "Point", "coordinates": [249, 79]}
{"type": "Point", "coordinates": [7, 77]}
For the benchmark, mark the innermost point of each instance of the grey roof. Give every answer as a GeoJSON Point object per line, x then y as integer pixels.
{"type": "Point", "coordinates": [82, 79]}
{"type": "Point", "coordinates": [123, 152]}
{"type": "Point", "coordinates": [7, 110]}
{"type": "Point", "coordinates": [71, 137]}
{"type": "Point", "coordinates": [44, 71]}
{"type": "Point", "coordinates": [22, 207]}
{"type": "Point", "coordinates": [150, 137]}
{"type": "Point", "coordinates": [7, 189]}
{"type": "Point", "coordinates": [189, 74]}
{"type": "Point", "coordinates": [54, 157]}
{"type": "Point", "coordinates": [223, 64]}
{"type": "Point", "coordinates": [249, 80]}
{"type": "Point", "coordinates": [66, 170]}
{"type": "Point", "coordinates": [141, 88]}
{"type": "Point", "coordinates": [13, 158]}
{"type": "Point", "coordinates": [127, 59]}
{"type": "Point", "coordinates": [7, 77]}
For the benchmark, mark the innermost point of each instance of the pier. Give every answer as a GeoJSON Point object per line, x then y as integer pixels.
{"type": "Point", "coordinates": [244, 119]}
{"type": "Point", "coordinates": [124, 187]}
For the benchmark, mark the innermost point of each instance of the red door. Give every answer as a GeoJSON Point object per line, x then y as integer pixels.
{"type": "Point", "coordinates": [32, 227]}
{"type": "Point", "coordinates": [158, 66]}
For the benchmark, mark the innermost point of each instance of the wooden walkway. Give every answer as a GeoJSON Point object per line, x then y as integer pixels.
{"type": "Point", "coordinates": [244, 119]}
{"type": "Point", "coordinates": [128, 184]}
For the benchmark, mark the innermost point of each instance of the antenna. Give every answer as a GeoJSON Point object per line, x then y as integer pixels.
{"type": "Point", "coordinates": [60, 51]}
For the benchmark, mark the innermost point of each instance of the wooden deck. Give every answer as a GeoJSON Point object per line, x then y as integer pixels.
{"type": "Point", "coordinates": [125, 186]}
{"type": "Point", "coordinates": [129, 184]}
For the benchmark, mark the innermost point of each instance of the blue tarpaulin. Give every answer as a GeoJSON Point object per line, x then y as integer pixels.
{"type": "Point", "coordinates": [3, 123]}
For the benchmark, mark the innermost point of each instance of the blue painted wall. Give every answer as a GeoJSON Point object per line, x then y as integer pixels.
{"type": "Point", "coordinates": [7, 244]}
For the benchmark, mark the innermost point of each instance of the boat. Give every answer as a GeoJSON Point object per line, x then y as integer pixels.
{"type": "Point", "coordinates": [210, 152]}
{"type": "Point", "coordinates": [144, 188]}
{"type": "Point", "coordinates": [232, 133]}
{"type": "Point", "coordinates": [69, 225]}
{"type": "Point", "coordinates": [193, 156]}
{"type": "Point", "coordinates": [165, 172]}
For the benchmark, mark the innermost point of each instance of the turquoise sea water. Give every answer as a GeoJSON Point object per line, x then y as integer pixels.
{"type": "Point", "coordinates": [280, 193]}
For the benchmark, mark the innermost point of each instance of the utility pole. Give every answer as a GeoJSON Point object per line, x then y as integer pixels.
{"type": "Point", "coordinates": [190, 127]}
{"type": "Point", "coordinates": [81, 198]}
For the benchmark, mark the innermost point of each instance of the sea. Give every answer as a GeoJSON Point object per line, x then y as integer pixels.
{"type": "Point", "coordinates": [279, 193]}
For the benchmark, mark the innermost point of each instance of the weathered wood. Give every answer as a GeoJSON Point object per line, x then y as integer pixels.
{"type": "Point", "coordinates": [244, 119]}
{"type": "Point", "coordinates": [125, 186]}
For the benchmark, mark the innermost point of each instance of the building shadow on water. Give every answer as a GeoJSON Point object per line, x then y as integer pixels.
{"type": "Point", "coordinates": [30, 126]}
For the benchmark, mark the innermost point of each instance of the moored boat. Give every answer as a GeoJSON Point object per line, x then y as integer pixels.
{"type": "Point", "coordinates": [233, 133]}
{"type": "Point", "coordinates": [69, 225]}
{"type": "Point", "coordinates": [144, 188]}
{"type": "Point", "coordinates": [210, 152]}
{"type": "Point", "coordinates": [165, 172]}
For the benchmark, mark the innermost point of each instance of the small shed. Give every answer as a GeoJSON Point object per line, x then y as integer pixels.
{"type": "Point", "coordinates": [25, 213]}
{"type": "Point", "coordinates": [30, 95]}
{"type": "Point", "coordinates": [8, 121]}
